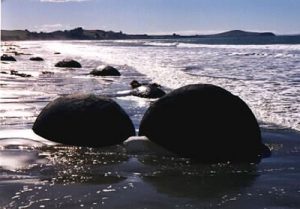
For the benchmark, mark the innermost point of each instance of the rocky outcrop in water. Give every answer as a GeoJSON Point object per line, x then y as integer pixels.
{"type": "Point", "coordinates": [36, 59]}
{"type": "Point", "coordinates": [68, 63]}
{"type": "Point", "coordinates": [146, 90]}
{"type": "Point", "coordinates": [6, 57]}
{"type": "Point", "coordinates": [84, 120]}
{"type": "Point", "coordinates": [47, 73]}
{"type": "Point", "coordinates": [204, 122]}
{"type": "Point", "coordinates": [16, 73]}
{"type": "Point", "coordinates": [134, 84]}
{"type": "Point", "coordinates": [106, 71]}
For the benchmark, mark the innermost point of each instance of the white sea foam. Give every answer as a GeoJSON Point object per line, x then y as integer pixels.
{"type": "Point", "coordinates": [267, 77]}
{"type": "Point", "coordinates": [36, 175]}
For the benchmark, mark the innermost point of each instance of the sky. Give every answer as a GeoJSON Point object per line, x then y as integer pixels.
{"type": "Point", "coordinates": [153, 16]}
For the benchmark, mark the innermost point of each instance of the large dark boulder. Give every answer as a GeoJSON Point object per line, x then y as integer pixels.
{"type": "Point", "coordinates": [84, 120]}
{"type": "Point", "coordinates": [106, 71]}
{"type": "Point", "coordinates": [68, 63]}
{"type": "Point", "coordinates": [204, 122]}
{"type": "Point", "coordinates": [36, 59]}
{"type": "Point", "coordinates": [6, 57]}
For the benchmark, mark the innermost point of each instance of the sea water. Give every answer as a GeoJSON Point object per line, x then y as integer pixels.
{"type": "Point", "coordinates": [36, 173]}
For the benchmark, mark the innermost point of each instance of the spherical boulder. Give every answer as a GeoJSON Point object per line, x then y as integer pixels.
{"type": "Point", "coordinates": [6, 57]}
{"type": "Point", "coordinates": [36, 59]}
{"type": "Point", "coordinates": [204, 122]}
{"type": "Point", "coordinates": [84, 120]}
{"type": "Point", "coordinates": [68, 63]}
{"type": "Point", "coordinates": [107, 71]}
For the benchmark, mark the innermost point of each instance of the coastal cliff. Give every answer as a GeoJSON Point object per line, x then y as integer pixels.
{"type": "Point", "coordinates": [82, 34]}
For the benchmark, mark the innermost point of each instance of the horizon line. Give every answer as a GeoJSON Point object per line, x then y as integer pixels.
{"type": "Point", "coordinates": [179, 33]}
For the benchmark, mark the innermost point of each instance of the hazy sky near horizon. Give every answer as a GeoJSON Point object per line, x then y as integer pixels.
{"type": "Point", "coordinates": [153, 16]}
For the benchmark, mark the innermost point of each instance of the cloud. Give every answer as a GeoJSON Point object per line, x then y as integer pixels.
{"type": "Point", "coordinates": [188, 32]}
{"type": "Point", "coordinates": [63, 1]}
{"type": "Point", "coordinates": [52, 27]}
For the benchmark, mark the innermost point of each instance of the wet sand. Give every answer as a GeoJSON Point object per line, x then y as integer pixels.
{"type": "Point", "coordinates": [35, 173]}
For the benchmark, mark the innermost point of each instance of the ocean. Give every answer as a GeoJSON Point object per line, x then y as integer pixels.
{"type": "Point", "coordinates": [36, 173]}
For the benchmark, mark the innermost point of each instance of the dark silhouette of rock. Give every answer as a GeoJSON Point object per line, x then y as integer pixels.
{"type": "Point", "coordinates": [6, 57]}
{"type": "Point", "coordinates": [152, 90]}
{"type": "Point", "coordinates": [47, 73]}
{"type": "Point", "coordinates": [84, 120]}
{"type": "Point", "coordinates": [240, 33]}
{"type": "Point", "coordinates": [134, 84]}
{"type": "Point", "coordinates": [68, 63]}
{"type": "Point", "coordinates": [107, 71]}
{"type": "Point", "coordinates": [57, 53]}
{"type": "Point", "coordinates": [204, 122]}
{"type": "Point", "coordinates": [16, 73]}
{"type": "Point", "coordinates": [13, 72]}
{"type": "Point", "coordinates": [148, 91]}
{"type": "Point", "coordinates": [36, 59]}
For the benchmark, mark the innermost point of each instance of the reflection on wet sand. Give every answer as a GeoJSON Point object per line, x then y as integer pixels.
{"type": "Point", "coordinates": [35, 173]}
{"type": "Point", "coordinates": [53, 170]}
{"type": "Point", "coordinates": [181, 178]}
{"type": "Point", "coordinates": [69, 164]}
{"type": "Point", "coordinates": [203, 187]}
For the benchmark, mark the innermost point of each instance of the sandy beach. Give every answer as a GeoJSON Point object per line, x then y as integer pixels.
{"type": "Point", "coordinates": [37, 173]}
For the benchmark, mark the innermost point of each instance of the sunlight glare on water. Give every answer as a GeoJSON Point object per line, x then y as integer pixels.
{"type": "Point", "coordinates": [266, 76]}
{"type": "Point", "coordinates": [37, 173]}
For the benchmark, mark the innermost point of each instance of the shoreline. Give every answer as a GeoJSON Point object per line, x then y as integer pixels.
{"type": "Point", "coordinates": [36, 175]}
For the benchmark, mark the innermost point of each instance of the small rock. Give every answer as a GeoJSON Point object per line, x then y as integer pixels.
{"type": "Point", "coordinates": [107, 71]}
{"type": "Point", "coordinates": [152, 90]}
{"type": "Point", "coordinates": [134, 84]}
{"type": "Point", "coordinates": [13, 72]}
{"type": "Point", "coordinates": [16, 73]}
{"type": "Point", "coordinates": [47, 72]}
{"type": "Point", "coordinates": [36, 59]}
{"type": "Point", "coordinates": [6, 57]}
{"type": "Point", "coordinates": [68, 63]}
{"type": "Point", "coordinates": [148, 91]}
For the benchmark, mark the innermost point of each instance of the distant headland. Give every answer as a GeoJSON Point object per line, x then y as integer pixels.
{"type": "Point", "coordinates": [82, 34]}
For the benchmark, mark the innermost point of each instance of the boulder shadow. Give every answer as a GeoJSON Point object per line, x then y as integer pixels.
{"type": "Point", "coordinates": [202, 182]}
